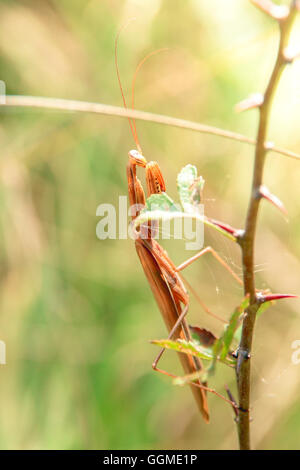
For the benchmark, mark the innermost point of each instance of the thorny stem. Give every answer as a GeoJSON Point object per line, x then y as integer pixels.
{"type": "Point", "coordinates": [247, 241]}
{"type": "Point", "coordinates": [109, 110]}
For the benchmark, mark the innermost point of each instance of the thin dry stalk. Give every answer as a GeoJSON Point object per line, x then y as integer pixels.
{"type": "Point", "coordinates": [99, 108]}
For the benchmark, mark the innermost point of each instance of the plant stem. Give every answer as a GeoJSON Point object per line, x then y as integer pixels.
{"type": "Point", "coordinates": [247, 240]}
{"type": "Point", "coordinates": [100, 108]}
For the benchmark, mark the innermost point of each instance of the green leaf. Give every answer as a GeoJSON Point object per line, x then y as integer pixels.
{"type": "Point", "coordinates": [216, 350]}
{"type": "Point", "coordinates": [162, 207]}
{"type": "Point", "coordinates": [232, 326]}
{"type": "Point", "coordinates": [221, 347]}
{"type": "Point", "coordinates": [186, 347]}
{"type": "Point", "coordinates": [190, 188]}
{"type": "Point", "coordinates": [161, 202]}
{"type": "Point", "coordinates": [189, 347]}
{"type": "Point", "coordinates": [158, 207]}
{"type": "Point", "coordinates": [263, 307]}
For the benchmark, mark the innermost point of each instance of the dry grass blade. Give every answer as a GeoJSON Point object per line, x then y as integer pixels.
{"type": "Point", "coordinates": [109, 110]}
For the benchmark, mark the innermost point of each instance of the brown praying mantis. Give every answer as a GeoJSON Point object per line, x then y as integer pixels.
{"type": "Point", "coordinates": [163, 276]}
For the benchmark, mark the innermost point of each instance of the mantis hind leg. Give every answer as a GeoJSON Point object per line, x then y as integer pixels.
{"type": "Point", "coordinates": [196, 364]}
{"type": "Point", "coordinates": [171, 334]}
{"type": "Point", "coordinates": [223, 263]}
{"type": "Point", "coordinates": [209, 249]}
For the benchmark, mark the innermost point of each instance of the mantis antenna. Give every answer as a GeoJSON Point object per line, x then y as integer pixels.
{"type": "Point", "coordinates": [131, 121]}
{"type": "Point", "coordinates": [134, 80]}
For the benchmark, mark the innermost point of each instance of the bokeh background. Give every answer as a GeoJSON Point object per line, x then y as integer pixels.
{"type": "Point", "coordinates": [76, 313]}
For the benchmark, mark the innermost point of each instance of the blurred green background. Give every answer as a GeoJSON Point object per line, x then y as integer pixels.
{"type": "Point", "coordinates": [76, 313]}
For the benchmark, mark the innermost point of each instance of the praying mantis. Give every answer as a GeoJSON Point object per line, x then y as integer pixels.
{"type": "Point", "coordinates": [164, 280]}
{"type": "Point", "coordinates": [163, 276]}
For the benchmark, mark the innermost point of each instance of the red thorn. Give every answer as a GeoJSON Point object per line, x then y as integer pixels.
{"type": "Point", "coordinates": [269, 297]}
{"type": "Point", "coordinates": [265, 193]}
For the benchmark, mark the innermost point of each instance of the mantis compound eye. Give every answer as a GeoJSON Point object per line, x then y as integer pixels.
{"type": "Point", "coordinates": [154, 179]}
{"type": "Point", "coordinates": [136, 158]}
